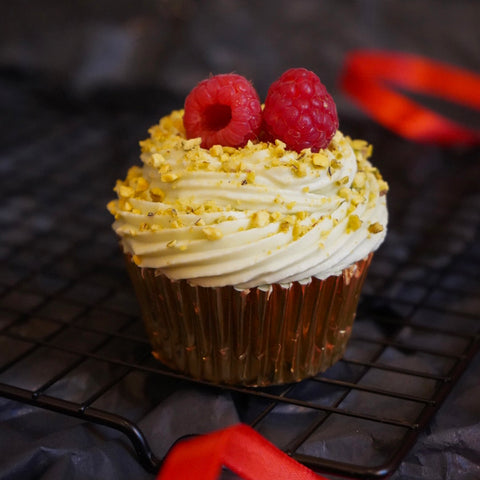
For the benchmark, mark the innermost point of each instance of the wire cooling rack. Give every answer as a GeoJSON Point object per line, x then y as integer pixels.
{"type": "Point", "coordinates": [71, 339]}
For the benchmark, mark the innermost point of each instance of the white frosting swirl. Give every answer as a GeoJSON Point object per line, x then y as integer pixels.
{"type": "Point", "coordinates": [252, 216]}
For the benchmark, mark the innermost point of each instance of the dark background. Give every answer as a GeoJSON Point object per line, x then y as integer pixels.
{"type": "Point", "coordinates": [87, 44]}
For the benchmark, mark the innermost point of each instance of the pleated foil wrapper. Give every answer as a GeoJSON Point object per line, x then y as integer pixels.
{"type": "Point", "coordinates": [252, 337]}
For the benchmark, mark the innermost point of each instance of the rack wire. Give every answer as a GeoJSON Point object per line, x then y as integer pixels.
{"type": "Point", "coordinates": [71, 339]}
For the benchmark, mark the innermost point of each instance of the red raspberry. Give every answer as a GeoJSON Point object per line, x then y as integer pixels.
{"type": "Point", "coordinates": [299, 111]}
{"type": "Point", "coordinates": [224, 110]}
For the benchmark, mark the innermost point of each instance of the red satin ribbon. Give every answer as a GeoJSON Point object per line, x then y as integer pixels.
{"type": "Point", "coordinates": [369, 77]}
{"type": "Point", "coordinates": [239, 448]}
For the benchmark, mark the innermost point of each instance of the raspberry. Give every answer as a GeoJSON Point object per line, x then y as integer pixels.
{"type": "Point", "coordinates": [225, 110]}
{"type": "Point", "coordinates": [299, 111]}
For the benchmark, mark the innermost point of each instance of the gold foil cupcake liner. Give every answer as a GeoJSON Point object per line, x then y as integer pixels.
{"type": "Point", "coordinates": [249, 337]}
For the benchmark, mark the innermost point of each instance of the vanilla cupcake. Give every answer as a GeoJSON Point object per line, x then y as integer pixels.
{"type": "Point", "coordinates": [248, 254]}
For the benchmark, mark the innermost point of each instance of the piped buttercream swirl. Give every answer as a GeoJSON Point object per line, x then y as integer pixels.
{"type": "Point", "coordinates": [250, 216]}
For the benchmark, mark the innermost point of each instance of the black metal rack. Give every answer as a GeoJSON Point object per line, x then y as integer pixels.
{"type": "Point", "coordinates": [71, 340]}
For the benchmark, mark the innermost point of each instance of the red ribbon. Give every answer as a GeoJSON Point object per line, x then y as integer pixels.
{"type": "Point", "coordinates": [239, 448]}
{"type": "Point", "coordinates": [369, 77]}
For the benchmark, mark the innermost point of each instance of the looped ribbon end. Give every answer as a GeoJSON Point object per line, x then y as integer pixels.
{"type": "Point", "coordinates": [239, 448]}
{"type": "Point", "coordinates": [369, 77]}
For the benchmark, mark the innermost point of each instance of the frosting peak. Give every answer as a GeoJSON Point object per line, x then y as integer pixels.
{"type": "Point", "coordinates": [248, 216]}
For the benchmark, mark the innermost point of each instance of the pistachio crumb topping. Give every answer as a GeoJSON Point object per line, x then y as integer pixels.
{"type": "Point", "coordinates": [212, 233]}
{"type": "Point", "coordinates": [191, 143]}
{"type": "Point", "coordinates": [157, 194]}
{"type": "Point", "coordinates": [250, 178]}
{"type": "Point", "coordinates": [359, 180]}
{"type": "Point", "coordinates": [216, 150]}
{"type": "Point", "coordinates": [383, 186]}
{"type": "Point", "coordinates": [112, 207]}
{"type": "Point", "coordinates": [345, 193]}
{"type": "Point", "coordinates": [375, 227]}
{"type": "Point", "coordinates": [320, 159]}
{"type": "Point", "coordinates": [169, 177]}
{"type": "Point", "coordinates": [354, 223]}
{"type": "Point", "coordinates": [139, 184]}
{"type": "Point", "coordinates": [157, 159]}
{"type": "Point", "coordinates": [260, 219]}
{"type": "Point", "coordinates": [126, 191]}
{"type": "Point", "coordinates": [299, 230]}
{"type": "Point", "coordinates": [344, 180]}
{"type": "Point", "coordinates": [335, 164]}
{"type": "Point", "coordinates": [287, 222]}
{"type": "Point", "coordinates": [301, 170]}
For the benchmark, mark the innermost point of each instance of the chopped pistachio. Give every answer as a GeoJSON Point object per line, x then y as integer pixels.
{"type": "Point", "coordinates": [301, 170]}
{"type": "Point", "coordinates": [320, 160]}
{"type": "Point", "coordinates": [157, 159]}
{"type": "Point", "coordinates": [157, 194]}
{"type": "Point", "coordinates": [169, 177]}
{"type": "Point", "coordinates": [375, 227]}
{"type": "Point", "coordinates": [260, 219]}
{"type": "Point", "coordinates": [125, 191]}
{"type": "Point", "coordinates": [299, 230]}
{"type": "Point", "coordinates": [212, 233]}
{"type": "Point", "coordinates": [345, 193]}
{"type": "Point", "coordinates": [359, 180]}
{"type": "Point", "coordinates": [354, 223]}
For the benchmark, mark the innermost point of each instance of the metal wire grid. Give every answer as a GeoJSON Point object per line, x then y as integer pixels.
{"type": "Point", "coordinates": [71, 341]}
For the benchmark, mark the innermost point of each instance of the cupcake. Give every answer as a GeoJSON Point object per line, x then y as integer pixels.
{"type": "Point", "coordinates": [248, 231]}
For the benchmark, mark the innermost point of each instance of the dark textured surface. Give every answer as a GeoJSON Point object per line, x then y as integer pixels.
{"type": "Point", "coordinates": [70, 126]}
{"type": "Point", "coordinates": [176, 43]}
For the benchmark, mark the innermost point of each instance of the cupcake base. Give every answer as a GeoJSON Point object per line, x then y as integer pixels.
{"type": "Point", "coordinates": [249, 337]}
